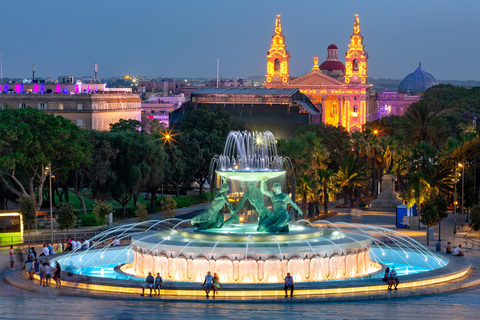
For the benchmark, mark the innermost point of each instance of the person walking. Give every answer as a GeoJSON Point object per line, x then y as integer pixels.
{"type": "Point", "coordinates": [35, 268]}
{"type": "Point", "coordinates": [58, 276]}
{"type": "Point", "coordinates": [11, 255]}
{"type": "Point", "coordinates": [208, 283]}
{"type": "Point", "coordinates": [288, 285]}
{"type": "Point", "coordinates": [216, 284]}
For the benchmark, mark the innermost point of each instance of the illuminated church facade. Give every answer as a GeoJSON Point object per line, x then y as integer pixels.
{"type": "Point", "coordinates": [340, 91]}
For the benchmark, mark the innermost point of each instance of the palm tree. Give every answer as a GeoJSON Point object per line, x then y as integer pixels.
{"type": "Point", "coordinates": [327, 186]}
{"type": "Point", "coordinates": [422, 123]}
{"type": "Point", "coordinates": [351, 175]}
{"type": "Point", "coordinates": [303, 189]}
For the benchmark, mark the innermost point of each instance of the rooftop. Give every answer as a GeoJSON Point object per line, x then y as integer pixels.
{"type": "Point", "coordinates": [261, 90]}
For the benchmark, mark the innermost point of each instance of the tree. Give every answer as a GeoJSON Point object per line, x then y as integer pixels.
{"type": "Point", "coordinates": [94, 171]}
{"type": "Point", "coordinates": [429, 216]}
{"type": "Point", "coordinates": [36, 139]}
{"type": "Point", "coordinates": [151, 126]}
{"type": "Point", "coordinates": [475, 218]}
{"type": "Point", "coordinates": [168, 206]}
{"type": "Point", "coordinates": [422, 123]}
{"type": "Point", "coordinates": [351, 175]}
{"type": "Point", "coordinates": [101, 210]}
{"type": "Point", "coordinates": [131, 167]}
{"type": "Point", "coordinates": [142, 213]}
{"type": "Point", "coordinates": [28, 207]}
{"type": "Point", "coordinates": [65, 216]}
{"type": "Point", "coordinates": [126, 126]}
{"type": "Point", "coordinates": [204, 135]}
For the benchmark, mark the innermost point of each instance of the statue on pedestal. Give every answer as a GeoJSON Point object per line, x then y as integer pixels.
{"type": "Point", "coordinates": [255, 196]}
{"type": "Point", "coordinates": [213, 218]}
{"type": "Point", "coordinates": [277, 221]}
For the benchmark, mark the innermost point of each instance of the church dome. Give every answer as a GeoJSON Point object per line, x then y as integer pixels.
{"type": "Point", "coordinates": [332, 65]}
{"type": "Point", "coordinates": [417, 81]}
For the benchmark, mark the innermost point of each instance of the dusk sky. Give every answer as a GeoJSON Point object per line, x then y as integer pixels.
{"type": "Point", "coordinates": [134, 37]}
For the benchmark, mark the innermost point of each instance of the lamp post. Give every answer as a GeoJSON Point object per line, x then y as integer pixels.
{"type": "Point", "coordinates": [463, 186]}
{"type": "Point", "coordinates": [49, 171]}
{"type": "Point", "coordinates": [455, 202]}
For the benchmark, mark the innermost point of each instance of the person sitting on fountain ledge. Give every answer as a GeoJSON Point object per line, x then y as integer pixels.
{"type": "Point", "coordinates": [149, 284]}
{"type": "Point", "coordinates": [213, 218]}
{"type": "Point", "coordinates": [458, 251]}
{"type": "Point", "coordinates": [288, 285]}
{"type": "Point", "coordinates": [278, 220]}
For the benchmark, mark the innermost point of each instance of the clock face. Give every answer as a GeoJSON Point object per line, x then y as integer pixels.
{"type": "Point", "coordinates": [355, 77]}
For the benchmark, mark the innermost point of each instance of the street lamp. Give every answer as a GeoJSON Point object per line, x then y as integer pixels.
{"type": "Point", "coordinates": [455, 202]}
{"type": "Point", "coordinates": [48, 170]}
{"type": "Point", "coordinates": [463, 186]}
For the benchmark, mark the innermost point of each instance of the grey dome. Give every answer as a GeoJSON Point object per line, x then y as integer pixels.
{"type": "Point", "coordinates": [417, 81]}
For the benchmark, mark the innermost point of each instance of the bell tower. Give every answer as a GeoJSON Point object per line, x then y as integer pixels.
{"type": "Point", "coordinates": [356, 57]}
{"type": "Point", "coordinates": [278, 68]}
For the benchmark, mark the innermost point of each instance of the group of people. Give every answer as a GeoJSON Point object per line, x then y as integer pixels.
{"type": "Point", "coordinates": [391, 279]}
{"type": "Point", "coordinates": [43, 268]}
{"type": "Point", "coordinates": [211, 283]}
{"type": "Point", "coordinates": [153, 284]}
{"type": "Point", "coordinates": [78, 244]}
{"type": "Point", "coordinates": [456, 252]}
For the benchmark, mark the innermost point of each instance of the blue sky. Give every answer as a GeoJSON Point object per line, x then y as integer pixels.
{"type": "Point", "coordinates": [65, 37]}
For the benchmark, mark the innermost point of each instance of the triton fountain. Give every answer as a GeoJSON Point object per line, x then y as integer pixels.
{"type": "Point", "coordinates": [259, 252]}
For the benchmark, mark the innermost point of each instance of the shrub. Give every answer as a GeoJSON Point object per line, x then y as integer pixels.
{"type": "Point", "coordinates": [142, 213]}
{"type": "Point", "coordinates": [362, 204]}
{"type": "Point", "coordinates": [168, 207]}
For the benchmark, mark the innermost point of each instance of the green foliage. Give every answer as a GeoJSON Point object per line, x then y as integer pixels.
{"type": "Point", "coordinates": [475, 218]}
{"type": "Point", "coordinates": [422, 123]}
{"type": "Point", "coordinates": [126, 126]}
{"type": "Point", "coordinates": [142, 213]}
{"type": "Point", "coordinates": [168, 206]}
{"type": "Point", "coordinates": [101, 210]}
{"type": "Point", "coordinates": [429, 214]}
{"type": "Point", "coordinates": [65, 216]}
{"type": "Point", "coordinates": [151, 126]}
{"type": "Point", "coordinates": [27, 205]}
{"type": "Point", "coordinates": [30, 139]}
{"type": "Point", "coordinates": [137, 157]}
{"type": "Point", "coordinates": [89, 220]}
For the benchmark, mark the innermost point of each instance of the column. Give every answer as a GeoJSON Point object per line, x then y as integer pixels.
{"type": "Point", "coordinates": [340, 113]}
{"type": "Point", "coordinates": [324, 107]}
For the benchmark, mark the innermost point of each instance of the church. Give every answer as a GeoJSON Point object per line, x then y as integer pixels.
{"type": "Point", "coordinates": [340, 91]}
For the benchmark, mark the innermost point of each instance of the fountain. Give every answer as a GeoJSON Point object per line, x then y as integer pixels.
{"type": "Point", "coordinates": [255, 253]}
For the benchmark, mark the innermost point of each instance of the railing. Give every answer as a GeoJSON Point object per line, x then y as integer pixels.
{"type": "Point", "coordinates": [467, 243]}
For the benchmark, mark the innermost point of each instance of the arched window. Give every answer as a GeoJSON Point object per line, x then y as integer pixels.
{"type": "Point", "coordinates": [355, 108]}
{"type": "Point", "coordinates": [334, 108]}
{"type": "Point", "coordinates": [355, 65]}
{"type": "Point", "coordinates": [277, 65]}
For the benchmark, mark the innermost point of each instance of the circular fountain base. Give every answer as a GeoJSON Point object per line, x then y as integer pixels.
{"type": "Point", "coordinates": [242, 255]}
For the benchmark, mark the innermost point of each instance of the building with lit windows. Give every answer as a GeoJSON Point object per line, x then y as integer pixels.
{"type": "Point", "coordinates": [88, 105]}
{"type": "Point", "coordinates": [339, 90]}
{"type": "Point", "coordinates": [410, 90]}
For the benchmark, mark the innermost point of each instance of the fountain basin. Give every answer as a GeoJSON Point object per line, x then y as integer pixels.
{"type": "Point", "coordinates": [249, 175]}
{"type": "Point", "coordinates": [309, 254]}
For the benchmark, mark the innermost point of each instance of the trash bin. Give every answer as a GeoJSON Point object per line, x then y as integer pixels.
{"type": "Point", "coordinates": [430, 233]}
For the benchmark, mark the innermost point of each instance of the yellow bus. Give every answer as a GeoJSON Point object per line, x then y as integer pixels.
{"type": "Point", "coordinates": [11, 228]}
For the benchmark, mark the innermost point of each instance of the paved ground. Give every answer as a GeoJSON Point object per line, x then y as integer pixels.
{"type": "Point", "coordinates": [464, 304]}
